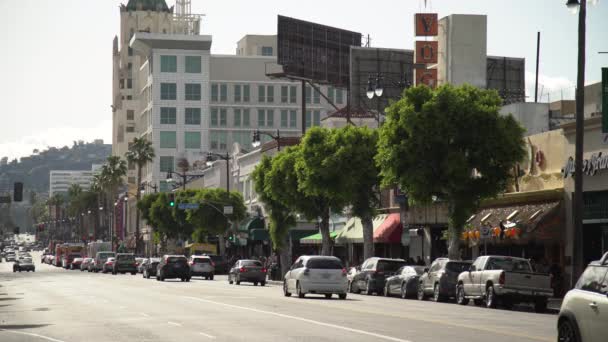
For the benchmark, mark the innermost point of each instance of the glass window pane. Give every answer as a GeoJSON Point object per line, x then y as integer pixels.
{"type": "Point", "coordinates": [223, 117]}
{"type": "Point", "coordinates": [316, 96]}
{"type": "Point", "coordinates": [237, 117]}
{"type": "Point", "coordinates": [261, 118]}
{"type": "Point", "coordinates": [330, 94]}
{"type": "Point", "coordinates": [317, 118]}
{"type": "Point", "coordinates": [168, 115]}
{"type": "Point", "coordinates": [213, 140]}
{"type": "Point", "coordinates": [223, 93]}
{"type": "Point", "coordinates": [284, 118]}
{"type": "Point", "coordinates": [246, 118]}
{"type": "Point", "coordinates": [270, 94]}
{"type": "Point", "coordinates": [339, 96]}
{"type": "Point", "coordinates": [214, 92]}
{"type": "Point", "coordinates": [308, 119]}
{"type": "Point", "coordinates": [166, 164]}
{"type": "Point", "coordinates": [192, 140]}
{"type": "Point", "coordinates": [246, 91]}
{"type": "Point", "coordinates": [308, 94]}
{"type": "Point", "coordinates": [592, 279]}
{"type": "Point", "coordinates": [269, 117]}
{"type": "Point", "coordinates": [292, 119]}
{"type": "Point", "coordinates": [237, 93]}
{"type": "Point", "coordinates": [193, 116]}
{"type": "Point", "coordinates": [261, 93]}
{"type": "Point", "coordinates": [193, 64]}
{"type": "Point", "coordinates": [130, 114]}
{"type": "Point", "coordinates": [168, 139]}
{"type": "Point", "coordinates": [193, 92]}
{"type": "Point", "coordinates": [222, 138]}
{"type": "Point", "coordinates": [168, 63]}
{"type": "Point", "coordinates": [293, 95]}
{"type": "Point", "coordinates": [266, 50]}
{"type": "Point", "coordinates": [284, 94]}
{"type": "Point", "coordinates": [214, 118]}
{"type": "Point", "coordinates": [168, 91]}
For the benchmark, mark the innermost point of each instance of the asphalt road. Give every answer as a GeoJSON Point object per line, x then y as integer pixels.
{"type": "Point", "coordinates": [53, 304]}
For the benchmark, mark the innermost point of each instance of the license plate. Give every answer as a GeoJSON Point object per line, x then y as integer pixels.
{"type": "Point", "coordinates": [325, 275]}
{"type": "Point", "coordinates": [178, 266]}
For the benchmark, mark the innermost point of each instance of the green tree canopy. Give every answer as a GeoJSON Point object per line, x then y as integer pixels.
{"type": "Point", "coordinates": [450, 143]}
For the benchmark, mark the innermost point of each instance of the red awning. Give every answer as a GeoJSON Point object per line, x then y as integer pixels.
{"type": "Point", "coordinates": [390, 230]}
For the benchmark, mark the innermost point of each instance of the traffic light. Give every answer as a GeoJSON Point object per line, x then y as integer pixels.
{"type": "Point", "coordinates": [172, 200]}
{"type": "Point", "coordinates": [18, 192]}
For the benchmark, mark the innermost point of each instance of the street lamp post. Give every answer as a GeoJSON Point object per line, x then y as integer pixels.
{"type": "Point", "coordinates": [256, 142]}
{"type": "Point", "coordinates": [375, 88]}
{"type": "Point", "coordinates": [226, 157]}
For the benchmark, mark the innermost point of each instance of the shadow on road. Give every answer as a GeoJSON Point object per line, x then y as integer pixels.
{"type": "Point", "coordinates": [22, 326]}
{"type": "Point", "coordinates": [9, 298]}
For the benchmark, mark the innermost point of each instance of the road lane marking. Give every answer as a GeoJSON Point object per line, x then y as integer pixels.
{"type": "Point", "coordinates": [175, 324]}
{"type": "Point", "coordinates": [335, 326]}
{"type": "Point", "coordinates": [32, 334]}
{"type": "Point", "coordinates": [207, 335]}
{"type": "Point", "coordinates": [145, 314]}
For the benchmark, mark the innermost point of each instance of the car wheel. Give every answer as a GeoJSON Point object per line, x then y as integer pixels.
{"type": "Point", "coordinates": [490, 297]}
{"type": "Point", "coordinates": [211, 277]}
{"type": "Point", "coordinates": [404, 293]}
{"type": "Point", "coordinates": [299, 290]}
{"type": "Point", "coordinates": [230, 280]}
{"type": "Point", "coordinates": [386, 294]}
{"type": "Point", "coordinates": [238, 281]}
{"type": "Point", "coordinates": [349, 287]}
{"type": "Point", "coordinates": [255, 283]}
{"type": "Point", "coordinates": [188, 279]}
{"type": "Point", "coordinates": [263, 283]}
{"type": "Point", "coordinates": [342, 296]}
{"type": "Point", "coordinates": [567, 331]}
{"type": "Point", "coordinates": [133, 273]}
{"type": "Point", "coordinates": [357, 290]}
{"type": "Point", "coordinates": [157, 278]}
{"type": "Point", "coordinates": [420, 292]}
{"type": "Point", "coordinates": [286, 292]}
{"type": "Point", "coordinates": [437, 297]}
{"type": "Point", "coordinates": [540, 305]}
{"type": "Point", "coordinates": [328, 296]}
{"type": "Point", "coordinates": [367, 288]}
{"type": "Point", "coordinates": [460, 296]}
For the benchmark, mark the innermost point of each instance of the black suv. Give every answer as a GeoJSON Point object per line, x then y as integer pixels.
{"type": "Point", "coordinates": [173, 266]}
{"type": "Point", "coordinates": [440, 279]}
{"type": "Point", "coordinates": [124, 263]}
{"type": "Point", "coordinates": [371, 277]}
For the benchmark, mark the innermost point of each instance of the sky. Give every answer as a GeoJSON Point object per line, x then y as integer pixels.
{"type": "Point", "coordinates": [56, 59]}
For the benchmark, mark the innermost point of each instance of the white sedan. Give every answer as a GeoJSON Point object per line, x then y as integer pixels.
{"type": "Point", "coordinates": [317, 275]}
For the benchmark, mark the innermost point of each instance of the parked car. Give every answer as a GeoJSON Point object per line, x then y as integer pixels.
{"type": "Point", "coordinates": [124, 263]}
{"type": "Point", "coordinates": [150, 267]}
{"type": "Point", "coordinates": [173, 266]}
{"type": "Point", "coordinates": [373, 273]}
{"type": "Point", "coordinates": [251, 271]}
{"type": "Point", "coordinates": [584, 311]}
{"type": "Point", "coordinates": [140, 264]}
{"type": "Point", "coordinates": [503, 279]}
{"type": "Point", "coordinates": [10, 257]}
{"type": "Point", "coordinates": [201, 266]}
{"type": "Point", "coordinates": [404, 283]}
{"type": "Point", "coordinates": [25, 264]}
{"type": "Point", "coordinates": [75, 264]}
{"type": "Point", "coordinates": [108, 265]}
{"type": "Point", "coordinates": [86, 264]}
{"type": "Point", "coordinates": [100, 260]}
{"type": "Point", "coordinates": [316, 274]}
{"type": "Point", "coordinates": [50, 259]}
{"type": "Point", "coordinates": [221, 264]}
{"type": "Point", "coordinates": [439, 280]}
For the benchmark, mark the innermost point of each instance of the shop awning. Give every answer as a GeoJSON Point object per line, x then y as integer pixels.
{"type": "Point", "coordinates": [297, 234]}
{"type": "Point", "coordinates": [390, 230]}
{"type": "Point", "coordinates": [353, 230]}
{"type": "Point", "coordinates": [316, 239]}
{"type": "Point", "coordinates": [259, 235]}
{"type": "Point", "coordinates": [251, 223]}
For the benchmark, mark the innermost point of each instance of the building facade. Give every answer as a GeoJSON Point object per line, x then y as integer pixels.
{"type": "Point", "coordinates": [61, 180]}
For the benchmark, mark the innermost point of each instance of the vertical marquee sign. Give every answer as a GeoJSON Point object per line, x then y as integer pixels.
{"type": "Point", "coordinates": [426, 25]}
{"type": "Point", "coordinates": [605, 100]}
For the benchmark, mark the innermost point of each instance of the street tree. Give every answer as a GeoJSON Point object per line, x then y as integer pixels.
{"type": "Point", "coordinates": [111, 178]}
{"type": "Point", "coordinates": [140, 153]}
{"type": "Point", "coordinates": [452, 144]}
{"type": "Point", "coordinates": [281, 217]}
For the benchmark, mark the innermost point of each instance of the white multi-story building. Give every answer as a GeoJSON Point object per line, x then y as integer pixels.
{"type": "Point", "coordinates": [62, 180]}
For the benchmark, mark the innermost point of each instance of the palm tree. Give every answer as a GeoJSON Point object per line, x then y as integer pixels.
{"type": "Point", "coordinates": [111, 178]}
{"type": "Point", "coordinates": [140, 153]}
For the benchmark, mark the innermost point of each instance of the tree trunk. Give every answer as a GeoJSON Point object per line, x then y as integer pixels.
{"type": "Point", "coordinates": [137, 196]}
{"type": "Point", "coordinates": [368, 237]}
{"type": "Point", "coordinates": [222, 243]}
{"type": "Point", "coordinates": [457, 217]}
{"type": "Point", "coordinates": [285, 256]}
{"type": "Point", "coordinates": [324, 228]}
{"type": "Point", "coordinates": [454, 245]}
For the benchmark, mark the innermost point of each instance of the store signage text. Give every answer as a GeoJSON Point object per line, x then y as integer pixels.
{"type": "Point", "coordinates": [591, 166]}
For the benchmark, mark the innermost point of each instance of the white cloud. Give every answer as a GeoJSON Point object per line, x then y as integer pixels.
{"type": "Point", "coordinates": [549, 88]}
{"type": "Point", "coordinates": [55, 137]}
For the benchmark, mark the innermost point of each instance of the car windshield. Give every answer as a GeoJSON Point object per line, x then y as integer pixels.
{"type": "Point", "coordinates": [125, 257]}
{"type": "Point", "coordinates": [74, 256]}
{"type": "Point", "coordinates": [250, 263]}
{"type": "Point", "coordinates": [27, 261]}
{"type": "Point", "coordinates": [201, 261]}
{"type": "Point", "coordinates": [171, 260]}
{"type": "Point", "coordinates": [418, 269]}
{"type": "Point", "coordinates": [509, 265]}
{"type": "Point", "coordinates": [457, 267]}
{"type": "Point", "coordinates": [324, 263]}
{"type": "Point", "coordinates": [105, 255]}
{"type": "Point", "coordinates": [389, 265]}
{"type": "Point", "coordinates": [216, 258]}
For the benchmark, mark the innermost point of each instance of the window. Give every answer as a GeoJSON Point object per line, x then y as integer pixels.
{"type": "Point", "coordinates": [167, 115]}
{"type": "Point", "coordinates": [129, 83]}
{"type": "Point", "coordinates": [331, 94]}
{"type": "Point", "coordinates": [246, 92]}
{"type": "Point", "coordinates": [324, 264]}
{"type": "Point", "coordinates": [261, 93]}
{"type": "Point", "coordinates": [223, 93]}
{"type": "Point", "coordinates": [193, 64]}
{"type": "Point", "coordinates": [316, 97]}
{"type": "Point", "coordinates": [214, 92]}
{"type": "Point", "coordinates": [270, 94]}
{"type": "Point", "coordinates": [284, 118]}
{"type": "Point", "coordinates": [266, 50]}
{"type": "Point", "coordinates": [130, 51]}
{"type": "Point", "coordinates": [214, 118]}
{"type": "Point", "coordinates": [237, 93]}
{"type": "Point", "coordinates": [166, 164]}
{"type": "Point", "coordinates": [168, 91]}
{"type": "Point", "coordinates": [192, 140]}
{"type": "Point", "coordinates": [237, 117]}
{"type": "Point", "coordinates": [246, 118]}
{"type": "Point", "coordinates": [168, 63]}
{"type": "Point", "coordinates": [293, 95]}
{"type": "Point", "coordinates": [193, 92]}
{"type": "Point", "coordinates": [265, 117]}
{"type": "Point", "coordinates": [130, 129]}
{"type": "Point", "coordinates": [339, 96]}
{"type": "Point", "coordinates": [192, 116]}
{"type": "Point", "coordinates": [223, 118]}
{"type": "Point", "coordinates": [316, 118]}
{"type": "Point", "coordinates": [292, 119]}
{"type": "Point", "coordinates": [130, 114]}
{"type": "Point", "coordinates": [308, 94]}
{"type": "Point", "coordinates": [284, 94]}
{"type": "Point", "coordinates": [168, 139]}
{"type": "Point", "coordinates": [217, 140]}
{"type": "Point", "coordinates": [242, 138]}
{"type": "Point", "coordinates": [593, 280]}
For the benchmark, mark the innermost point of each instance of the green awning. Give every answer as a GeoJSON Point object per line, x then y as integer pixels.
{"type": "Point", "coordinates": [259, 235]}
{"type": "Point", "coordinates": [251, 223]}
{"type": "Point", "coordinates": [316, 239]}
{"type": "Point", "coordinates": [353, 230]}
{"type": "Point", "coordinates": [297, 234]}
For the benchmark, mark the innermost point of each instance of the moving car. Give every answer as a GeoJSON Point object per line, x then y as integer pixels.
{"type": "Point", "coordinates": [583, 315]}
{"type": "Point", "coordinates": [25, 264]}
{"type": "Point", "coordinates": [75, 264]}
{"type": "Point", "coordinates": [439, 280]}
{"type": "Point", "coordinates": [201, 266]}
{"type": "Point", "coordinates": [108, 265]}
{"type": "Point", "coordinates": [373, 274]}
{"type": "Point", "coordinates": [503, 279]}
{"type": "Point", "coordinates": [251, 271]}
{"type": "Point", "coordinates": [68, 259]}
{"type": "Point", "coordinates": [124, 263]}
{"type": "Point", "coordinates": [10, 257]}
{"type": "Point", "coordinates": [316, 274]}
{"type": "Point", "coordinates": [173, 266]}
{"type": "Point", "coordinates": [100, 260]}
{"type": "Point", "coordinates": [404, 283]}
{"type": "Point", "coordinates": [150, 267]}
{"type": "Point", "coordinates": [140, 264]}
{"type": "Point", "coordinates": [86, 264]}
{"type": "Point", "coordinates": [221, 264]}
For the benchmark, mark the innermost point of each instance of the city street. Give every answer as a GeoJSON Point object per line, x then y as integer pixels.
{"type": "Point", "coordinates": [53, 304]}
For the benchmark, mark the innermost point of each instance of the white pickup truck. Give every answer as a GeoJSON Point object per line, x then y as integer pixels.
{"type": "Point", "coordinates": [504, 280]}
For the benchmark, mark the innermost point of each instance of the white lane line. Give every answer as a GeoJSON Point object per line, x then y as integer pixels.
{"type": "Point", "coordinates": [122, 307]}
{"type": "Point", "coordinates": [32, 334]}
{"type": "Point", "coordinates": [335, 326]}
{"type": "Point", "coordinates": [207, 335]}
{"type": "Point", "coordinates": [175, 324]}
{"type": "Point", "coordinates": [145, 314]}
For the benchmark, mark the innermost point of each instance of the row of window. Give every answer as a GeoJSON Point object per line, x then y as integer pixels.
{"type": "Point", "coordinates": [192, 64]}
{"type": "Point", "coordinates": [168, 116]}
{"type": "Point", "coordinates": [168, 139]}
{"type": "Point", "coordinates": [192, 91]}
{"type": "Point", "coordinates": [265, 118]}
{"type": "Point", "coordinates": [266, 94]}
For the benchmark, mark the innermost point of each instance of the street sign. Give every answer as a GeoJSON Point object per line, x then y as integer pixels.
{"type": "Point", "coordinates": [485, 232]}
{"type": "Point", "coordinates": [228, 209]}
{"type": "Point", "coordinates": [185, 206]}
